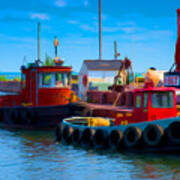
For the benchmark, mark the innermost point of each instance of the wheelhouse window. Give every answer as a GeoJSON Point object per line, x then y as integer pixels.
{"type": "Point", "coordinates": [23, 80]}
{"type": "Point", "coordinates": [162, 100]}
{"type": "Point", "coordinates": [57, 79]}
{"type": "Point", "coordinates": [46, 79]}
{"type": "Point", "coordinates": [62, 79]}
{"type": "Point", "coordinates": [145, 101]}
{"type": "Point", "coordinates": [138, 101]}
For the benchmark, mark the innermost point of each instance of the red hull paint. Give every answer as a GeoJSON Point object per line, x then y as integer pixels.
{"type": "Point", "coordinates": [32, 94]}
{"type": "Point", "coordinates": [54, 96]}
{"type": "Point", "coordinates": [129, 113]}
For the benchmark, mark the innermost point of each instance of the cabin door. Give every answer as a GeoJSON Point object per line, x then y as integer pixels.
{"type": "Point", "coordinates": [141, 107]}
{"type": "Point", "coordinates": [34, 80]}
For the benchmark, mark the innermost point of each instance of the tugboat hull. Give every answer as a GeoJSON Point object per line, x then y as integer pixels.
{"type": "Point", "coordinates": [156, 136]}
{"type": "Point", "coordinates": [34, 117]}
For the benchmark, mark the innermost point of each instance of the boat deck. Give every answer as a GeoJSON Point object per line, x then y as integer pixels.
{"type": "Point", "coordinates": [110, 107]}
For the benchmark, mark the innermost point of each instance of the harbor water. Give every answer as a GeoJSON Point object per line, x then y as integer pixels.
{"type": "Point", "coordinates": [33, 155]}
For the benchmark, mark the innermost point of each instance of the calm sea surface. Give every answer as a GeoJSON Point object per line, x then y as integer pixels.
{"type": "Point", "coordinates": [31, 155]}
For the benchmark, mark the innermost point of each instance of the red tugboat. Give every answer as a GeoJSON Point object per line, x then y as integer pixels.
{"type": "Point", "coordinates": [139, 119]}
{"type": "Point", "coordinates": [43, 99]}
{"type": "Point", "coordinates": [148, 123]}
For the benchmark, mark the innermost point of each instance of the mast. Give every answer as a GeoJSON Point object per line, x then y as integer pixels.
{"type": "Point", "coordinates": [100, 32]}
{"type": "Point", "coordinates": [116, 54]}
{"type": "Point", "coordinates": [56, 44]}
{"type": "Point", "coordinates": [115, 50]}
{"type": "Point", "coordinates": [39, 43]}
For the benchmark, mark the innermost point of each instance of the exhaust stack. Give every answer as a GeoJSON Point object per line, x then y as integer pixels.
{"type": "Point", "coordinates": [177, 53]}
{"type": "Point", "coordinates": [178, 21]}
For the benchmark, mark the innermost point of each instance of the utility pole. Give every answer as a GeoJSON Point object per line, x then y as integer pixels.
{"type": "Point", "coordinates": [100, 32]}
{"type": "Point", "coordinates": [39, 43]}
{"type": "Point", "coordinates": [116, 54]}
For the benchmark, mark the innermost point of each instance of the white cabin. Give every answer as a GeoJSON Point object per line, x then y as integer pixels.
{"type": "Point", "coordinates": [97, 75]}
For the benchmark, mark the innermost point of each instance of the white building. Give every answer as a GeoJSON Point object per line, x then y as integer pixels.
{"type": "Point", "coordinates": [97, 74]}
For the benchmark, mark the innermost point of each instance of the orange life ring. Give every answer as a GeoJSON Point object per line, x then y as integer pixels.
{"type": "Point", "coordinates": [85, 80]}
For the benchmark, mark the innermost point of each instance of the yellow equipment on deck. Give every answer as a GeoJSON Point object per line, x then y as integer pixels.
{"type": "Point", "coordinates": [97, 121]}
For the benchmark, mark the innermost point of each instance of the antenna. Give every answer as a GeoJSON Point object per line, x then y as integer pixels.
{"type": "Point", "coordinates": [100, 32]}
{"type": "Point", "coordinates": [39, 43]}
{"type": "Point", "coordinates": [56, 44]}
{"type": "Point", "coordinates": [24, 60]}
{"type": "Point", "coordinates": [116, 54]}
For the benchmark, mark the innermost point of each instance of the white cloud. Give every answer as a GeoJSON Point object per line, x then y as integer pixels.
{"type": "Point", "coordinates": [17, 39]}
{"type": "Point", "coordinates": [60, 3]}
{"type": "Point", "coordinates": [87, 27]}
{"type": "Point", "coordinates": [104, 17]}
{"type": "Point", "coordinates": [110, 29]}
{"type": "Point", "coordinates": [86, 3]}
{"type": "Point", "coordinates": [127, 23]}
{"type": "Point", "coordinates": [39, 16]}
{"type": "Point", "coordinates": [73, 22]}
{"type": "Point", "coordinates": [117, 28]}
{"type": "Point", "coordinates": [129, 29]}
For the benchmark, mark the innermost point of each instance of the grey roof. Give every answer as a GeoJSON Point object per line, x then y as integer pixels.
{"type": "Point", "coordinates": [102, 64]}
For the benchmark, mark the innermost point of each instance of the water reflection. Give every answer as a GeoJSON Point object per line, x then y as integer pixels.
{"type": "Point", "coordinates": [34, 155]}
{"type": "Point", "coordinates": [156, 166]}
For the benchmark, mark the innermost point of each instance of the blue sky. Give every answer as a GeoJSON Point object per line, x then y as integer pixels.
{"type": "Point", "coordinates": [145, 31]}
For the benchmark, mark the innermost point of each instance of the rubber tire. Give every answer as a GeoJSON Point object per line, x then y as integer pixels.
{"type": "Point", "coordinates": [27, 116]}
{"type": "Point", "coordinates": [58, 132]}
{"type": "Point", "coordinates": [170, 135]}
{"type": "Point", "coordinates": [114, 139]}
{"type": "Point", "coordinates": [13, 116]}
{"type": "Point", "coordinates": [67, 134]}
{"type": "Point", "coordinates": [87, 137]}
{"type": "Point", "coordinates": [127, 137]}
{"type": "Point", "coordinates": [7, 119]}
{"type": "Point", "coordinates": [1, 115]}
{"type": "Point", "coordinates": [76, 137]}
{"type": "Point", "coordinates": [159, 134]}
{"type": "Point", "coordinates": [100, 139]}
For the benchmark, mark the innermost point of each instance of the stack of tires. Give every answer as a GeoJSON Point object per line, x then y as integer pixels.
{"type": "Point", "coordinates": [153, 136]}
{"type": "Point", "coordinates": [19, 116]}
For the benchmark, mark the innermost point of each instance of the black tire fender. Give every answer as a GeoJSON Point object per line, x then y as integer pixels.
{"type": "Point", "coordinates": [115, 138]}
{"type": "Point", "coordinates": [27, 115]}
{"type": "Point", "coordinates": [132, 136]}
{"type": "Point", "coordinates": [58, 132]}
{"type": "Point", "coordinates": [1, 115]}
{"type": "Point", "coordinates": [100, 139]}
{"type": "Point", "coordinates": [13, 115]}
{"type": "Point", "coordinates": [87, 137]}
{"type": "Point", "coordinates": [173, 132]}
{"type": "Point", "coordinates": [67, 134]}
{"type": "Point", "coordinates": [152, 135]}
{"type": "Point", "coordinates": [76, 137]}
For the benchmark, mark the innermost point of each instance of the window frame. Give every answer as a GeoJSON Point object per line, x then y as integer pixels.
{"type": "Point", "coordinates": [139, 106]}
{"type": "Point", "coordinates": [145, 104]}
{"type": "Point", "coordinates": [170, 102]}
{"type": "Point", "coordinates": [65, 78]}
{"type": "Point", "coordinates": [23, 79]}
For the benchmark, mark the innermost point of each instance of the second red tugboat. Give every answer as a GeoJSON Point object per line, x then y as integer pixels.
{"type": "Point", "coordinates": [44, 98]}
{"type": "Point", "coordinates": [148, 123]}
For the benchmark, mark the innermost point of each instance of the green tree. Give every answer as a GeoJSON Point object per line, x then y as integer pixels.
{"type": "Point", "coordinates": [3, 78]}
